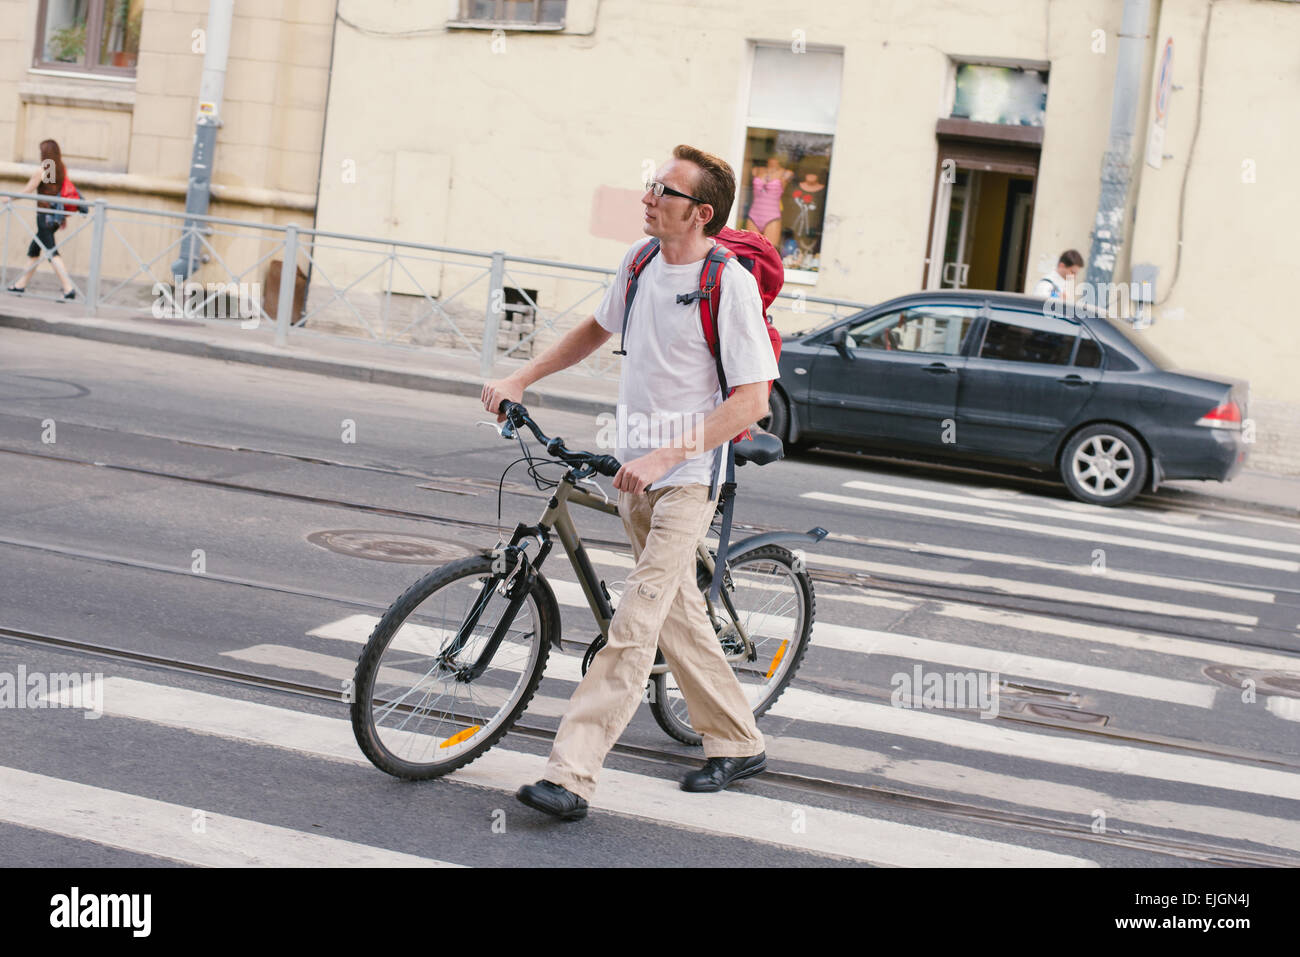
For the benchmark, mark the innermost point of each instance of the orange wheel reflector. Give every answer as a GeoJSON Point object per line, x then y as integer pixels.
{"type": "Point", "coordinates": [780, 653]}
{"type": "Point", "coordinates": [460, 736]}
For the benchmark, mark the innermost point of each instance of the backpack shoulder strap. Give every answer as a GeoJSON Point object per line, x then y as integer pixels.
{"type": "Point", "coordinates": [639, 262]}
{"type": "Point", "coordinates": [710, 296]}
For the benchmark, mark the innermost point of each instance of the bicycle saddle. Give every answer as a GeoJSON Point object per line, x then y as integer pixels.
{"type": "Point", "coordinates": [762, 448]}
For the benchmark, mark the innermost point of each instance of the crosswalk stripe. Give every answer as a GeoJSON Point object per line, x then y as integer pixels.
{"type": "Point", "coordinates": [147, 826]}
{"type": "Point", "coordinates": [356, 629]}
{"type": "Point", "coordinates": [1023, 588]}
{"type": "Point", "coordinates": [1114, 680]}
{"type": "Point", "coordinates": [658, 800]}
{"type": "Point", "coordinates": [866, 641]}
{"type": "Point", "coordinates": [818, 707]}
{"type": "Point", "coordinates": [1068, 750]}
{"type": "Point", "coordinates": [1085, 569]}
{"type": "Point", "coordinates": [1096, 514]}
{"type": "Point", "coordinates": [1288, 708]}
{"type": "Point", "coordinates": [1135, 640]}
{"type": "Point", "coordinates": [342, 669]}
{"type": "Point", "coordinates": [1076, 534]}
{"type": "Point", "coordinates": [1078, 803]}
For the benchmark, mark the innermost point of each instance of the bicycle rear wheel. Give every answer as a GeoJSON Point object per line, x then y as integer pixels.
{"type": "Point", "coordinates": [415, 714]}
{"type": "Point", "coordinates": [773, 596]}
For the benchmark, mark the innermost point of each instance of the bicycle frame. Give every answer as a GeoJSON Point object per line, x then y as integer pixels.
{"type": "Point", "coordinates": [557, 517]}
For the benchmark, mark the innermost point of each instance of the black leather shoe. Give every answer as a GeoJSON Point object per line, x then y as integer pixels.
{"type": "Point", "coordinates": [553, 799]}
{"type": "Point", "coordinates": [717, 773]}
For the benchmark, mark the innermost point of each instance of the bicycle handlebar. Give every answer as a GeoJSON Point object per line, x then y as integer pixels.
{"type": "Point", "coordinates": [518, 415]}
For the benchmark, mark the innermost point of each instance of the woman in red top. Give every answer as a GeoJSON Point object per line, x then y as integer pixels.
{"type": "Point", "coordinates": [46, 181]}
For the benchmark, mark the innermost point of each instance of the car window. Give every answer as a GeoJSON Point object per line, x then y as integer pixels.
{"type": "Point", "coordinates": [934, 330]}
{"type": "Point", "coordinates": [1028, 337]}
{"type": "Point", "coordinates": [1089, 354]}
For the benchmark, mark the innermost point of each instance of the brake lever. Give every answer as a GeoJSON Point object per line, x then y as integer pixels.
{"type": "Point", "coordinates": [588, 480]}
{"type": "Point", "coordinates": [504, 429]}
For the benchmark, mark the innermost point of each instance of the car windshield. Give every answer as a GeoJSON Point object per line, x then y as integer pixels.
{"type": "Point", "coordinates": [1139, 341]}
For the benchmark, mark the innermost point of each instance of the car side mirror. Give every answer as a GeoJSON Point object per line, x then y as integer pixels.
{"type": "Point", "coordinates": [837, 340]}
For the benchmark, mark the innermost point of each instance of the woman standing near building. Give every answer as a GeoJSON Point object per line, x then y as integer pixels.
{"type": "Point", "coordinates": [46, 181]}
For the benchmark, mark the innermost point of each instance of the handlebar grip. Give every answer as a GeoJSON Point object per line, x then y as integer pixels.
{"type": "Point", "coordinates": [606, 465]}
{"type": "Point", "coordinates": [507, 407]}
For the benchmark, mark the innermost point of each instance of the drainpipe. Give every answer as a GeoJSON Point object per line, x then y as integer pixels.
{"type": "Point", "coordinates": [1117, 165]}
{"type": "Point", "coordinates": [211, 86]}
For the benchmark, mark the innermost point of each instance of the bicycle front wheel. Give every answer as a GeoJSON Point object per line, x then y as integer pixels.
{"type": "Point", "coordinates": [417, 713]}
{"type": "Point", "coordinates": [772, 594]}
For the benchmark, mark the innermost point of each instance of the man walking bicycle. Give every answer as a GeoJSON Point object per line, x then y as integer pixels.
{"type": "Point", "coordinates": [668, 485]}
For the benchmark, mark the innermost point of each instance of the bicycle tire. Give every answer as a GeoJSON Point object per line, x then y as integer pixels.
{"type": "Point", "coordinates": [666, 703]}
{"type": "Point", "coordinates": [370, 737]}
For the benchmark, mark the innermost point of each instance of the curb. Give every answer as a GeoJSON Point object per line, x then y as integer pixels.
{"type": "Point", "coordinates": [272, 357]}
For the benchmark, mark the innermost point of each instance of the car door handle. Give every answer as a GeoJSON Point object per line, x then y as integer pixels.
{"type": "Point", "coordinates": [1072, 379]}
{"type": "Point", "coordinates": [938, 368]}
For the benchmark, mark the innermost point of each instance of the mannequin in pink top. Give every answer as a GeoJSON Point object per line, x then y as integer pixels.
{"type": "Point", "coordinates": [764, 214]}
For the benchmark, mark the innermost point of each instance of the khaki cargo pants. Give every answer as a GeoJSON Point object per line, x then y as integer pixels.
{"type": "Point", "coordinates": [661, 605]}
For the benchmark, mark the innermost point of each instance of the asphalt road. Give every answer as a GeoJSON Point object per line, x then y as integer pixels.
{"type": "Point", "coordinates": [1147, 659]}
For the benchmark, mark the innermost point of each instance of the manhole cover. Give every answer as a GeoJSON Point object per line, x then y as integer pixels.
{"type": "Point", "coordinates": [389, 546]}
{"type": "Point", "coordinates": [1285, 683]}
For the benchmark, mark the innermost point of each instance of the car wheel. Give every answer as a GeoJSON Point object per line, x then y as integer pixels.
{"type": "Point", "coordinates": [777, 420]}
{"type": "Point", "coordinates": [1104, 465]}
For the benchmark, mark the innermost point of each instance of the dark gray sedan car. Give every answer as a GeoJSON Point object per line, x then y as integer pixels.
{"type": "Point", "coordinates": [1012, 379]}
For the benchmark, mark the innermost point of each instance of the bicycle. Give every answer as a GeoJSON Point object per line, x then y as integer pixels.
{"type": "Point", "coordinates": [440, 680]}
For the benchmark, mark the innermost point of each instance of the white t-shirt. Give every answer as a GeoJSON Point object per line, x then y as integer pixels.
{"type": "Point", "coordinates": [1051, 285]}
{"type": "Point", "coordinates": [669, 382]}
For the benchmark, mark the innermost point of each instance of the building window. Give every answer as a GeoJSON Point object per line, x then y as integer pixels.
{"type": "Point", "coordinates": [1012, 96]}
{"type": "Point", "coordinates": [89, 36]}
{"type": "Point", "coordinates": [794, 99]}
{"type": "Point", "coordinates": [538, 12]}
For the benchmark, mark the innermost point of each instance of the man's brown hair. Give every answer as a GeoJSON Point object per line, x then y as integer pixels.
{"type": "Point", "coordinates": [716, 184]}
{"type": "Point", "coordinates": [1071, 257]}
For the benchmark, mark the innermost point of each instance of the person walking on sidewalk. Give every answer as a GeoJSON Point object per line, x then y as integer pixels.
{"type": "Point", "coordinates": [668, 485]}
{"type": "Point", "coordinates": [46, 181]}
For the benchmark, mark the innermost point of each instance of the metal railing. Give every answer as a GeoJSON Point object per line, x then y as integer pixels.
{"type": "Point", "coordinates": [486, 304]}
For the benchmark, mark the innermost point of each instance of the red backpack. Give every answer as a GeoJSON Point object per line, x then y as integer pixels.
{"type": "Point", "coordinates": [68, 191]}
{"type": "Point", "coordinates": [755, 253]}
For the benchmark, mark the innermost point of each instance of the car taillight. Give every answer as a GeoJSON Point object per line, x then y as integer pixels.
{"type": "Point", "coordinates": [1224, 416]}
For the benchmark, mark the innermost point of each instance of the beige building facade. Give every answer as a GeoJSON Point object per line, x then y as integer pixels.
{"type": "Point", "coordinates": [123, 110]}
{"type": "Point", "coordinates": [920, 143]}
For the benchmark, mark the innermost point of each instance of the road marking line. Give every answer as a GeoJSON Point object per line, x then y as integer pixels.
{"type": "Point", "coordinates": [147, 826]}
{"type": "Point", "coordinates": [1069, 750]}
{"type": "Point", "coordinates": [1161, 644]}
{"type": "Point", "coordinates": [1075, 803]}
{"type": "Point", "coordinates": [1116, 681]}
{"type": "Point", "coordinates": [331, 666]}
{"type": "Point", "coordinates": [1085, 569]}
{"type": "Point", "coordinates": [1010, 586]}
{"type": "Point", "coordinates": [1288, 708]}
{"type": "Point", "coordinates": [867, 641]}
{"type": "Point", "coordinates": [1096, 514]}
{"type": "Point", "coordinates": [658, 800]}
{"type": "Point", "coordinates": [1083, 535]}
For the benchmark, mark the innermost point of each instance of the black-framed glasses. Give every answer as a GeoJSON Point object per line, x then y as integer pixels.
{"type": "Point", "coordinates": [659, 189]}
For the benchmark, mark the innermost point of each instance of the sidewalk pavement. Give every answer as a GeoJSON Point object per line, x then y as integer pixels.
{"type": "Point", "coordinates": [458, 373]}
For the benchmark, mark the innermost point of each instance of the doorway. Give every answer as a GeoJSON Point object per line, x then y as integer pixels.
{"type": "Point", "coordinates": [981, 217]}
